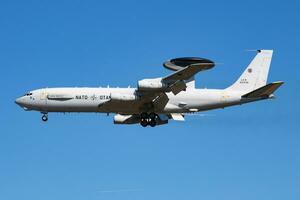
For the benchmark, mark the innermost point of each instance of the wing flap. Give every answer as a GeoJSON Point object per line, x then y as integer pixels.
{"type": "Point", "coordinates": [177, 87]}
{"type": "Point", "coordinates": [177, 116]}
{"type": "Point", "coordinates": [160, 101]}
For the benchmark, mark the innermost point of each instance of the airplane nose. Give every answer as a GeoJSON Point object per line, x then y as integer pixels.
{"type": "Point", "coordinates": [19, 101]}
{"type": "Point", "coordinates": [22, 102]}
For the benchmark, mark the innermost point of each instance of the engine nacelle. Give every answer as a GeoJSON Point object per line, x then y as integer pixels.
{"type": "Point", "coordinates": [123, 97]}
{"type": "Point", "coordinates": [151, 84]}
{"type": "Point", "coordinates": [125, 119]}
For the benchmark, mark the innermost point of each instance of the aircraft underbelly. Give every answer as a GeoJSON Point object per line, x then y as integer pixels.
{"type": "Point", "coordinates": [111, 107]}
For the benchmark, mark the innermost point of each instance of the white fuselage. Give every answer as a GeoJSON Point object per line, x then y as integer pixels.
{"type": "Point", "coordinates": [92, 99]}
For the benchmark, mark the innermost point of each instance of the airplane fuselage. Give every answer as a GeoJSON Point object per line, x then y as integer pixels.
{"type": "Point", "coordinates": [154, 101]}
{"type": "Point", "coordinates": [91, 99]}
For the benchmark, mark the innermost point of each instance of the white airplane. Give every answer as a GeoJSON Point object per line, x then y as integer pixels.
{"type": "Point", "coordinates": [157, 100]}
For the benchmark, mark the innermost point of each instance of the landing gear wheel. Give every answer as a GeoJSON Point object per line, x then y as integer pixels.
{"type": "Point", "coordinates": [152, 116]}
{"type": "Point", "coordinates": [152, 122]}
{"type": "Point", "coordinates": [45, 118]}
{"type": "Point", "coordinates": [148, 119]}
{"type": "Point", "coordinates": [144, 123]}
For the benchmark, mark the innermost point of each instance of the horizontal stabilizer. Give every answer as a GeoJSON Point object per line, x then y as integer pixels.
{"type": "Point", "coordinates": [264, 92]}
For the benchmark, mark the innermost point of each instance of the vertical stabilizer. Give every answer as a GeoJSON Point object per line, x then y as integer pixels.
{"type": "Point", "coordinates": [256, 74]}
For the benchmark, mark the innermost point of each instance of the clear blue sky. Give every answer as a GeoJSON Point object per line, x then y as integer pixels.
{"type": "Point", "coordinates": [246, 152]}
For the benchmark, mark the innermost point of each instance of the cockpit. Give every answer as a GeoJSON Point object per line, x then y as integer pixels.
{"type": "Point", "coordinates": [28, 94]}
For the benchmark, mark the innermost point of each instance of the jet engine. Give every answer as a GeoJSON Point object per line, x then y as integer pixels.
{"type": "Point", "coordinates": [126, 119]}
{"type": "Point", "coordinates": [123, 97]}
{"type": "Point", "coordinates": [151, 84]}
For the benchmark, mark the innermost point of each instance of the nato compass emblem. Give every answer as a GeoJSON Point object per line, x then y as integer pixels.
{"type": "Point", "coordinates": [93, 97]}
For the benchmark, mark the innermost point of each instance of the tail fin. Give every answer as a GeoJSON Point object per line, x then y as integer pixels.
{"type": "Point", "coordinates": [256, 74]}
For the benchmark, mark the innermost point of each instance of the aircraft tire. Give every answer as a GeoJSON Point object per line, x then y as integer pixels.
{"type": "Point", "coordinates": [152, 122]}
{"type": "Point", "coordinates": [144, 123]}
{"type": "Point", "coordinates": [152, 116]}
{"type": "Point", "coordinates": [45, 118]}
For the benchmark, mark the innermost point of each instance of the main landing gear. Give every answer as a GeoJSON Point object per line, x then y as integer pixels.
{"type": "Point", "coordinates": [45, 117]}
{"type": "Point", "coordinates": [148, 119]}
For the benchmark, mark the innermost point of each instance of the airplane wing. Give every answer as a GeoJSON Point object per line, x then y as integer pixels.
{"type": "Point", "coordinates": [151, 93]}
{"type": "Point", "coordinates": [175, 82]}
{"type": "Point", "coordinates": [154, 91]}
{"type": "Point", "coordinates": [188, 72]}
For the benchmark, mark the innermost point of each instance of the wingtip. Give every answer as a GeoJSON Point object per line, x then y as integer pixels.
{"type": "Point", "coordinates": [279, 82]}
{"type": "Point", "coordinates": [259, 50]}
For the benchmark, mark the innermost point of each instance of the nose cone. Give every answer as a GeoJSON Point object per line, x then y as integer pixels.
{"type": "Point", "coordinates": [23, 103]}
{"type": "Point", "coordinates": [19, 101]}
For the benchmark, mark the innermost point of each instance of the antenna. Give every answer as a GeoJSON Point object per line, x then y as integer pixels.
{"type": "Point", "coordinates": [251, 50]}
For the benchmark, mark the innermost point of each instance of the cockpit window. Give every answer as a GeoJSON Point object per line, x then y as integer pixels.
{"type": "Point", "coordinates": [28, 94]}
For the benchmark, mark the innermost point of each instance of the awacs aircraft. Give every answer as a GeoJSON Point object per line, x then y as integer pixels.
{"type": "Point", "coordinates": [155, 101]}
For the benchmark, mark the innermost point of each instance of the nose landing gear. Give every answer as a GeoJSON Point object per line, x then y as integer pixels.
{"type": "Point", "coordinates": [148, 119]}
{"type": "Point", "coordinates": [45, 117]}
